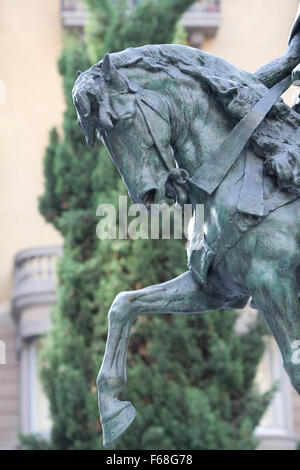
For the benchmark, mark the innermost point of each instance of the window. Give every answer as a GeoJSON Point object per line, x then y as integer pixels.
{"type": "Point", "coordinates": [270, 372]}
{"type": "Point", "coordinates": [35, 406]}
{"type": "Point", "coordinates": [276, 425]}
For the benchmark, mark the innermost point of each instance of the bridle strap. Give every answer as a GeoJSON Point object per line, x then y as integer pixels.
{"type": "Point", "coordinates": [140, 99]}
{"type": "Point", "coordinates": [177, 176]}
{"type": "Point", "coordinates": [169, 165]}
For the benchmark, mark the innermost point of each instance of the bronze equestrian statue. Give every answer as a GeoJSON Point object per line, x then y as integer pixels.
{"type": "Point", "coordinates": [183, 124]}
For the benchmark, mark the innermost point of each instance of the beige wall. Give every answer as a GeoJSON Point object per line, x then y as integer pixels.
{"type": "Point", "coordinates": [30, 42]}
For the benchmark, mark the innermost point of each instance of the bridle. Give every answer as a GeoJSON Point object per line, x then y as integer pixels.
{"type": "Point", "coordinates": [210, 173]}
{"type": "Point", "coordinates": [178, 177]}
{"type": "Point", "coordinates": [228, 151]}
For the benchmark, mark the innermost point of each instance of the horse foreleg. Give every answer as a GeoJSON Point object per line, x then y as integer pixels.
{"type": "Point", "coordinates": [180, 295]}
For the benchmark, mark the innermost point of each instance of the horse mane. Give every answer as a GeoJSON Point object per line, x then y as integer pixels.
{"type": "Point", "coordinates": [236, 89]}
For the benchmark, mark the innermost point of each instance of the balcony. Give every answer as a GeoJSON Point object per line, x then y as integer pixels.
{"type": "Point", "coordinates": [73, 13]}
{"type": "Point", "coordinates": [34, 278]}
{"type": "Point", "coordinates": [201, 20]}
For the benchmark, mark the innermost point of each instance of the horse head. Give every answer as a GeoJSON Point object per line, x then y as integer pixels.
{"type": "Point", "coordinates": [110, 106]}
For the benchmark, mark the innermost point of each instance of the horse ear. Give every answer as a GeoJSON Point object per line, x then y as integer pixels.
{"type": "Point", "coordinates": [106, 67]}
{"type": "Point", "coordinates": [110, 72]}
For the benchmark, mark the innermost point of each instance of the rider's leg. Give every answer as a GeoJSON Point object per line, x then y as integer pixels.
{"type": "Point", "coordinates": [180, 295]}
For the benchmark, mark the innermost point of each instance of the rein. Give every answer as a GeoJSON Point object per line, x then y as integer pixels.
{"type": "Point", "coordinates": [167, 164]}
{"type": "Point", "coordinates": [178, 176]}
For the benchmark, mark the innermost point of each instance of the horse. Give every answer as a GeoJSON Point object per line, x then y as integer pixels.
{"type": "Point", "coordinates": [162, 111]}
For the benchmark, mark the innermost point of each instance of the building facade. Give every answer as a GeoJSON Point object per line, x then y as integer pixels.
{"type": "Point", "coordinates": [247, 34]}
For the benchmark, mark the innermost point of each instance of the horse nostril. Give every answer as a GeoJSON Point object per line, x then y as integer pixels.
{"type": "Point", "coordinates": [148, 197]}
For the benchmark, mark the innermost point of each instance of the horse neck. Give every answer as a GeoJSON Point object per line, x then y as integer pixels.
{"type": "Point", "coordinates": [199, 122]}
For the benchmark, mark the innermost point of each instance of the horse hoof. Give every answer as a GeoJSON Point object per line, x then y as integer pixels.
{"type": "Point", "coordinates": [114, 426]}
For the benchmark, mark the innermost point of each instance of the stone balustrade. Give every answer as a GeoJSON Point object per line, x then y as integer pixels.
{"type": "Point", "coordinates": [34, 277]}
{"type": "Point", "coordinates": [201, 20]}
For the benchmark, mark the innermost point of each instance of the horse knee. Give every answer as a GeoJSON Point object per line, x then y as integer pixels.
{"type": "Point", "coordinates": [119, 311]}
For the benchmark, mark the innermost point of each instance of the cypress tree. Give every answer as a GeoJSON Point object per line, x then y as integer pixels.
{"type": "Point", "coordinates": [190, 377]}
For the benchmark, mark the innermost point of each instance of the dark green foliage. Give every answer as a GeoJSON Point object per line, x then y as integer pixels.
{"type": "Point", "coordinates": [190, 377]}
